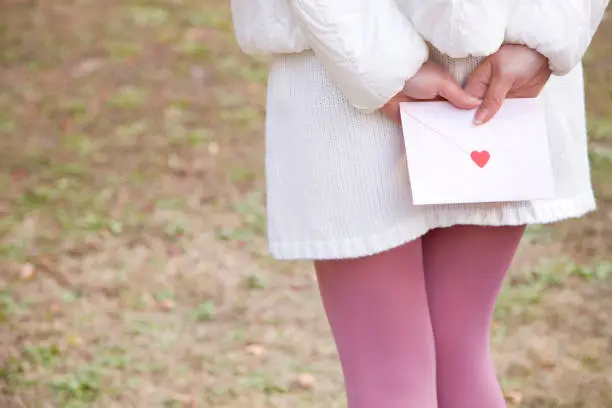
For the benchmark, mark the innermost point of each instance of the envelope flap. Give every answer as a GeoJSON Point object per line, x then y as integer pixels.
{"type": "Point", "coordinates": [439, 116]}
{"type": "Point", "coordinates": [457, 126]}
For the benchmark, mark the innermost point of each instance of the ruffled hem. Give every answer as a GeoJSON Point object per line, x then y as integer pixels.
{"type": "Point", "coordinates": [520, 213]}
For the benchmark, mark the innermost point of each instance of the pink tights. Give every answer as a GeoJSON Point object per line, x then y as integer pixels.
{"type": "Point", "coordinates": [412, 324]}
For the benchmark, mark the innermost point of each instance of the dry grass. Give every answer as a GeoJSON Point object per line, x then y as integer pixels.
{"type": "Point", "coordinates": [133, 267]}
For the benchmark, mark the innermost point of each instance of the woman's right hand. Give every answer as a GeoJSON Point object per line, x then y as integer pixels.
{"type": "Point", "coordinates": [431, 82]}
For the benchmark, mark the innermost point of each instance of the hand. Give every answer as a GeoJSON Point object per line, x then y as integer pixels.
{"type": "Point", "coordinates": [515, 71]}
{"type": "Point", "coordinates": [431, 82]}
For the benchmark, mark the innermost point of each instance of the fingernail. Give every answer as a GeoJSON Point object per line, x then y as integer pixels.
{"type": "Point", "coordinates": [480, 117]}
{"type": "Point", "coordinates": [475, 100]}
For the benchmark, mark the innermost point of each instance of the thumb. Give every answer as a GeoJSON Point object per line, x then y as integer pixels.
{"type": "Point", "coordinates": [493, 99]}
{"type": "Point", "coordinates": [453, 93]}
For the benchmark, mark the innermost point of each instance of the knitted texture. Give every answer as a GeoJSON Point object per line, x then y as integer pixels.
{"type": "Point", "coordinates": [337, 179]}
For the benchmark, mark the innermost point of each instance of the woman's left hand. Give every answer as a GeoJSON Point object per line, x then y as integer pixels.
{"type": "Point", "coordinates": [514, 71]}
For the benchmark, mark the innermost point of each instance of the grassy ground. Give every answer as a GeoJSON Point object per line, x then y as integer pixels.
{"type": "Point", "coordinates": [132, 259]}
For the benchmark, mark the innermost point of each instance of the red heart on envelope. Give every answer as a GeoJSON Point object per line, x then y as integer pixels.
{"type": "Point", "coordinates": [480, 158]}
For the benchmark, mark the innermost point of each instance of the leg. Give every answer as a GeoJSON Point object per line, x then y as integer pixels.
{"type": "Point", "coordinates": [377, 309]}
{"type": "Point", "coordinates": [464, 270]}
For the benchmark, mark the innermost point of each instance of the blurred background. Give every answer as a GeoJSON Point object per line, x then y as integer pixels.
{"type": "Point", "coordinates": [133, 267]}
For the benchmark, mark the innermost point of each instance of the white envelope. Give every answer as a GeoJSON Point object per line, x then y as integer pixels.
{"type": "Point", "coordinates": [453, 161]}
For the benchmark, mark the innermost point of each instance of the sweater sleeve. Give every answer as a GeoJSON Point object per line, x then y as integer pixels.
{"type": "Point", "coordinates": [368, 47]}
{"type": "Point", "coordinates": [559, 30]}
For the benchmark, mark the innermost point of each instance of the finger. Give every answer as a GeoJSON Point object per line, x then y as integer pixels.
{"type": "Point", "coordinates": [478, 81]}
{"type": "Point", "coordinates": [493, 99]}
{"type": "Point", "coordinates": [453, 93]}
{"type": "Point", "coordinates": [392, 111]}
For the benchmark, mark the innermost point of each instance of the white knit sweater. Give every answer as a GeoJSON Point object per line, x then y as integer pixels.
{"type": "Point", "coordinates": [337, 178]}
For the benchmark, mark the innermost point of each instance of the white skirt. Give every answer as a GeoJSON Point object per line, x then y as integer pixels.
{"type": "Point", "coordinates": [337, 179]}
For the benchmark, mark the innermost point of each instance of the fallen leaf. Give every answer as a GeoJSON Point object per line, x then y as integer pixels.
{"type": "Point", "coordinates": [167, 304]}
{"type": "Point", "coordinates": [514, 397]}
{"type": "Point", "coordinates": [255, 350]}
{"type": "Point", "coordinates": [27, 271]}
{"type": "Point", "coordinates": [213, 148]}
{"type": "Point", "coordinates": [306, 381]}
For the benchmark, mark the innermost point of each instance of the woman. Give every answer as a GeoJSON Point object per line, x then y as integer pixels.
{"type": "Point", "coordinates": [409, 290]}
